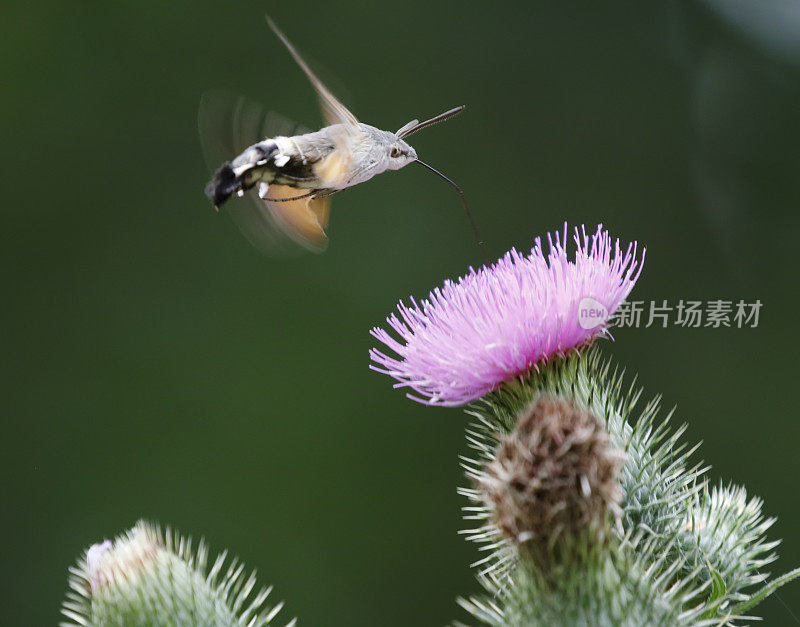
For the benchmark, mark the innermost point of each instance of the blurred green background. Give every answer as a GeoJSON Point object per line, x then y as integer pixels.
{"type": "Point", "coordinates": [157, 366]}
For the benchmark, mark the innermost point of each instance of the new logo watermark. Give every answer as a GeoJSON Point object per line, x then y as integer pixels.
{"type": "Point", "coordinates": [591, 313]}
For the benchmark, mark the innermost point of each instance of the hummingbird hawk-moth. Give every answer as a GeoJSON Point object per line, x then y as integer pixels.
{"type": "Point", "coordinates": [289, 179]}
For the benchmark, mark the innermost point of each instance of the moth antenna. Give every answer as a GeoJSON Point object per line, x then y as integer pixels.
{"type": "Point", "coordinates": [472, 224]}
{"type": "Point", "coordinates": [435, 120]}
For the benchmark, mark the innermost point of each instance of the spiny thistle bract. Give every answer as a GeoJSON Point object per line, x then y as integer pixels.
{"type": "Point", "coordinates": [709, 544]}
{"type": "Point", "coordinates": [724, 536]}
{"type": "Point", "coordinates": [146, 577]}
{"type": "Point", "coordinates": [629, 586]}
{"type": "Point", "coordinates": [553, 479]}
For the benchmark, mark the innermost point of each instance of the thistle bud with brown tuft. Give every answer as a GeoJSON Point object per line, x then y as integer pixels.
{"type": "Point", "coordinates": [553, 483]}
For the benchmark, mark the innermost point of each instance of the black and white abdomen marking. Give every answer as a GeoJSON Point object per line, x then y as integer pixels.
{"type": "Point", "coordinates": [281, 160]}
{"type": "Point", "coordinates": [239, 175]}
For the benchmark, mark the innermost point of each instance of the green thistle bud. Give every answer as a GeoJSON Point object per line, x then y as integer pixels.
{"type": "Point", "coordinates": [724, 539]}
{"type": "Point", "coordinates": [148, 578]}
{"type": "Point", "coordinates": [685, 555]}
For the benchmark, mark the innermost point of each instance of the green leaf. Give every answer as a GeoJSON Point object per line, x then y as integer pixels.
{"type": "Point", "coordinates": [717, 595]}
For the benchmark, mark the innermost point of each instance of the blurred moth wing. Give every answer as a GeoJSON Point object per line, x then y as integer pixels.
{"type": "Point", "coordinates": [345, 133]}
{"type": "Point", "coordinates": [333, 111]}
{"type": "Point", "coordinates": [304, 218]}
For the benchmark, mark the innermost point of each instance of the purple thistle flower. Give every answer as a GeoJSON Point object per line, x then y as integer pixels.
{"type": "Point", "coordinates": [498, 323]}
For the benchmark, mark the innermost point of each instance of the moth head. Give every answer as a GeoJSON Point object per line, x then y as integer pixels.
{"type": "Point", "coordinates": [400, 154]}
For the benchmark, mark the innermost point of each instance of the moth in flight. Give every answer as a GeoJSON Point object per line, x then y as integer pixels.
{"type": "Point", "coordinates": [288, 179]}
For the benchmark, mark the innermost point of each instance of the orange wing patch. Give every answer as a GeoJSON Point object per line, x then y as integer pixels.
{"type": "Point", "coordinates": [332, 170]}
{"type": "Point", "coordinates": [303, 219]}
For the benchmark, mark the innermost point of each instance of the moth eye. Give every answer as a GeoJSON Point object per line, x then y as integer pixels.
{"type": "Point", "coordinates": [395, 152]}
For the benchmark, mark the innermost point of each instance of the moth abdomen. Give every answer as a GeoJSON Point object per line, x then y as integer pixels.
{"type": "Point", "coordinates": [236, 177]}
{"type": "Point", "coordinates": [283, 160]}
{"type": "Point", "coordinates": [222, 185]}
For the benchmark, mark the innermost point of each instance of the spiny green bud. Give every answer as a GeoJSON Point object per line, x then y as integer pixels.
{"type": "Point", "coordinates": [554, 477]}
{"type": "Point", "coordinates": [683, 553]}
{"type": "Point", "coordinates": [145, 577]}
{"type": "Point", "coordinates": [724, 538]}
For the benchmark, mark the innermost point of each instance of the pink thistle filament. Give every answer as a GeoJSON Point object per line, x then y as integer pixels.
{"type": "Point", "coordinates": [498, 323]}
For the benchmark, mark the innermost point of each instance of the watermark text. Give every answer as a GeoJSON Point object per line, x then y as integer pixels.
{"type": "Point", "coordinates": [685, 313]}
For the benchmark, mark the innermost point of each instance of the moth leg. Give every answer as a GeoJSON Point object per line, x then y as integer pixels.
{"type": "Point", "coordinates": [325, 193]}
{"type": "Point", "coordinates": [265, 197]}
